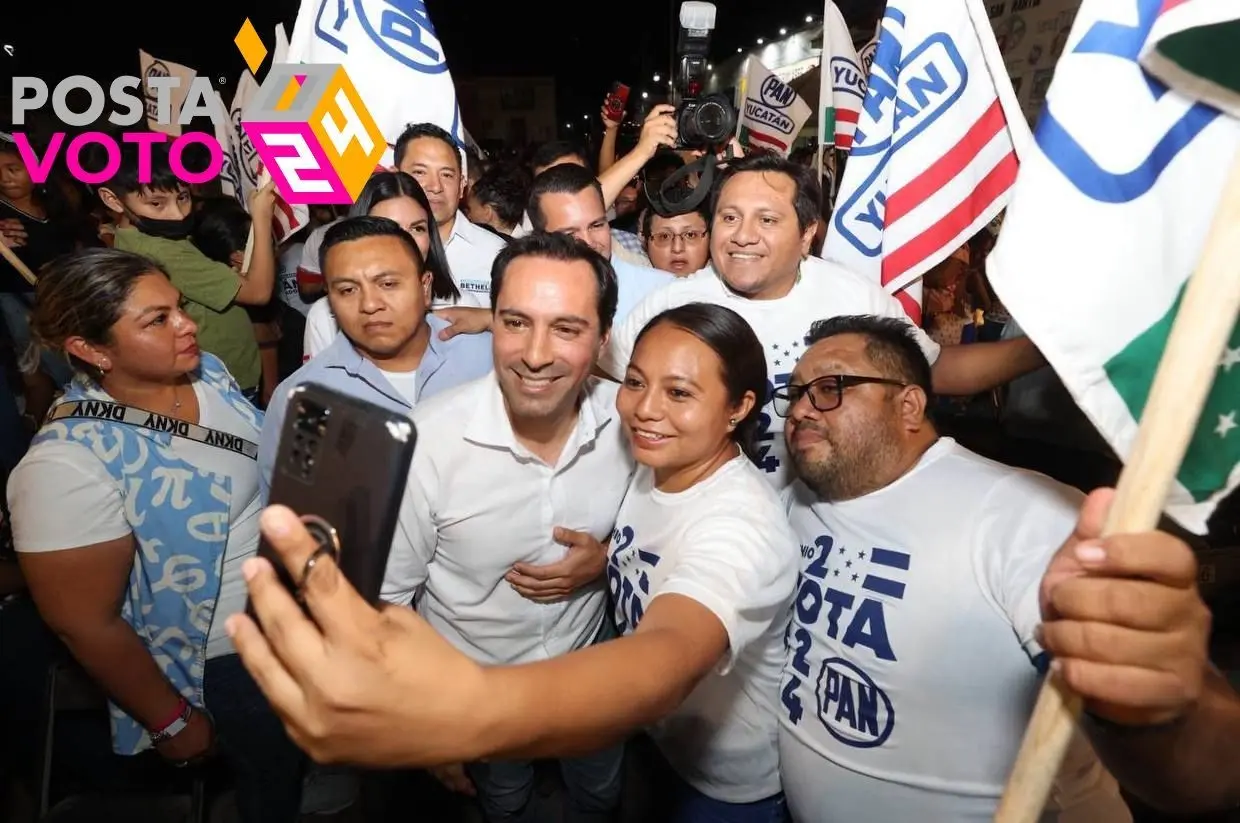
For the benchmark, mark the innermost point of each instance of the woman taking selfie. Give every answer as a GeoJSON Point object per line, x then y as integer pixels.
{"type": "Point", "coordinates": [398, 197]}
{"type": "Point", "coordinates": [702, 570]}
{"type": "Point", "coordinates": [152, 451]}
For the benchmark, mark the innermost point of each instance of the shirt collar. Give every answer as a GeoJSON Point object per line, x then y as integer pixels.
{"type": "Point", "coordinates": [342, 354]}
{"type": "Point", "coordinates": [489, 425]}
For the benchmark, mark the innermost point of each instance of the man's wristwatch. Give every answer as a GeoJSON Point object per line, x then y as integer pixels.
{"type": "Point", "coordinates": [175, 726]}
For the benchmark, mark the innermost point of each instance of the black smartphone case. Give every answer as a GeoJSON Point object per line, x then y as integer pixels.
{"type": "Point", "coordinates": [346, 461]}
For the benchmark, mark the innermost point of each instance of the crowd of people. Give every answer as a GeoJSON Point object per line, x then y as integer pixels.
{"type": "Point", "coordinates": [679, 501]}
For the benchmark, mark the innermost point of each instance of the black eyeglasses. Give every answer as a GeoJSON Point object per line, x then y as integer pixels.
{"type": "Point", "coordinates": [825, 393]}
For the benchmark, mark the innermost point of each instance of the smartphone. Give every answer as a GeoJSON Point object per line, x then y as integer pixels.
{"type": "Point", "coordinates": [343, 463]}
{"type": "Point", "coordinates": [617, 99]}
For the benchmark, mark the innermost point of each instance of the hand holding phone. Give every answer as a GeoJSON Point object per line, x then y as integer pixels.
{"type": "Point", "coordinates": [342, 465]}
{"type": "Point", "coordinates": [613, 106]}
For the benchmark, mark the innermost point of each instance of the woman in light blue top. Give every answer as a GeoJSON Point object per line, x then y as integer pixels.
{"type": "Point", "coordinates": [132, 514]}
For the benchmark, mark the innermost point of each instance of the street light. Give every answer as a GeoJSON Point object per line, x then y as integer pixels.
{"type": "Point", "coordinates": [760, 41]}
{"type": "Point", "coordinates": [644, 95]}
{"type": "Point", "coordinates": [809, 18]}
{"type": "Point", "coordinates": [739, 49]}
{"type": "Point", "coordinates": [656, 78]}
{"type": "Point", "coordinates": [710, 67]}
{"type": "Point", "coordinates": [782, 32]}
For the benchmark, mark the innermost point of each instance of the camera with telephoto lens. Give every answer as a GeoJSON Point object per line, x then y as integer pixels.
{"type": "Point", "coordinates": [703, 121]}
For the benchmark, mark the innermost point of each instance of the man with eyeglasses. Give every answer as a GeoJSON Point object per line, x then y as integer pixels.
{"type": "Point", "coordinates": [679, 244]}
{"type": "Point", "coordinates": [912, 660]}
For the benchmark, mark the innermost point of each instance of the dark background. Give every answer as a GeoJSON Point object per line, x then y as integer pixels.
{"type": "Point", "coordinates": [584, 45]}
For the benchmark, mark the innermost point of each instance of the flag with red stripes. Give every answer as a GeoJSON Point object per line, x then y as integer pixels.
{"type": "Point", "coordinates": [841, 81]}
{"type": "Point", "coordinates": [1192, 48]}
{"type": "Point", "coordinates": [756, 139]}
{"type": "Point", "coordinates": [934, 157]}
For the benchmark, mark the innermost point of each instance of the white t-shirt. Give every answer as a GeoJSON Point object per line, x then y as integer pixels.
{"type": "Point", "coordinates": [405, 382]}
{"type": "Point", "coordinates": [290, 260]}
{"type": "Point", "coordinates": [726, 544]}
{"type": "Point", "coordinates": [823, 290]}
{"type": "Point", "coordinates": [58, 476]}
{"type": "Point", "coordinates": [910, 675]}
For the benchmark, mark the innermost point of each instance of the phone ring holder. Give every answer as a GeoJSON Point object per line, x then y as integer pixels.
{"type": "Point", "coordinates": [328, 540]}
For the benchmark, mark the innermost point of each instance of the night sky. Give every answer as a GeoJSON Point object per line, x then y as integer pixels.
{"type": "Point", "coordinates": [544, 37]}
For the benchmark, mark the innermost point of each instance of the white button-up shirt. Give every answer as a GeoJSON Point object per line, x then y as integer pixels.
{"type": "Point", "coordinates": [478, 501]}
{"type": "Point", "coordinates": [471, 250]}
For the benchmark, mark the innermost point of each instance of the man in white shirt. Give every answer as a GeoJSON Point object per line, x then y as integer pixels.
{"type": "Point", "coordinates": [765, 215]}
{"type": "Point", "coordinates": [509, 470]}
{"type": "Point", "coordinates": [567, 199]}
{"type": "Point", "coordinates": [913, 663]}
{"type": "Point", "coordinates": [430, 155]}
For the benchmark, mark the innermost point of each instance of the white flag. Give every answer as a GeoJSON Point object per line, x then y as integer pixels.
{"type": "Point", "coordinates": [934, 156]}
{"type": "Point", "coordinates": [245, 157]}
{"type": "Point", "coordinates": [1108, 220]}
{"type": "Point", "coordinates": [152, 68]}
{"type": "Point", "coordinates": [391, 52]}
{"type": "Point", "coordinates": [230, 185]}
{"type": "Point", "coordinates": [772, 114]}
{"type": "Point", "coordinates": [841, 81]}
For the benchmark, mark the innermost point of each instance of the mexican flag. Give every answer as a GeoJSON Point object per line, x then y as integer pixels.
{"type": "Point", "coordinates": [1192, 47]}
{"type": "Point", "coordinates": [1107, 222]}
{"type": "Point", "coordinates": [841, 81]}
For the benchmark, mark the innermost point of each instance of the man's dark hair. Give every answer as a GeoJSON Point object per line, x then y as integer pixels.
{"type": "Point", "coordinates": [505, 187]}
{"type": "Point", "coordinates": [562, 179]}
{"type": "Point", "coordinates": [125, 180]}
{"type": "Point", "coordinates": [890, 344]}
{"type": "Point", "coordinates": [805, 198]}
{"type": "Point", "coordinates": [358, 228]}
{"type": "Point", "coordinates": [416, 130]}
{"type": "Point", "coordinates": [554, 150]}
{"type": "Point", "coordinates": [677, 193]}
{"type": "Point", "coordinates": [565, 249]}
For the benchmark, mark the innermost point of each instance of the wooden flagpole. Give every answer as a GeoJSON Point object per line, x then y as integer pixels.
{"type": "Point", "coordinates": [16, 262]}
{"type": "Point", "coordinates": [1181, 385]}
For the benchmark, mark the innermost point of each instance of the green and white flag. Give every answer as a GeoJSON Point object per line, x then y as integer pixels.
{"type": "Point", "coordinates": [1107, 222]}
{"type": "Point", "coordinates": [1193, 46]}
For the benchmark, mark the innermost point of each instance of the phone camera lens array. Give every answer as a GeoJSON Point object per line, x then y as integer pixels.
{"type": "Point", "coordinates": [308, 434]}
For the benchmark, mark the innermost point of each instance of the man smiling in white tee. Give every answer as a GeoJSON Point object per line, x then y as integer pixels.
{"type": "Point", "coordinates": [765, 216]}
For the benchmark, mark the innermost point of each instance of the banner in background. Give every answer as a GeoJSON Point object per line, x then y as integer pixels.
{"type": "Point", "coordinates": [1031, 36]}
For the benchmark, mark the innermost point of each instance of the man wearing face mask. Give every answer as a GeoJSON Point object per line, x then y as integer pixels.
{"type": "Point", "coordinates": [153, 219]}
